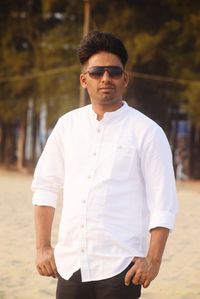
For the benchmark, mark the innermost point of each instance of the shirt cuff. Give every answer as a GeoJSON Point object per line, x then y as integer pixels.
{"type": "Point", "coordinates": [44, 198]}
{"type": "Point", "coordinates": [162, 219]}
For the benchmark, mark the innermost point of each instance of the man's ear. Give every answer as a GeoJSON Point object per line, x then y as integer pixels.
{"type": "Point", "coordinates": [126, 79]}
{"type": "Point", "coordinates": [83, 81]}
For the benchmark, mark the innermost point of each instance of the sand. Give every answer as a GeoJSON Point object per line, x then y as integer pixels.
{"type": "Point", "coordinates": [179, 277]}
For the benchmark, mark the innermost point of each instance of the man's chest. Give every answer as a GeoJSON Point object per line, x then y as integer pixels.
{"type": "Point", "coordinates": [109, 150]}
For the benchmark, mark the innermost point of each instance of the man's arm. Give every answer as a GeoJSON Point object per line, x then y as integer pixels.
{"type": "Point", "coordinates": [45, 262]}
{"type": "Point", "coordinates": [146, 269]}
{"type": "Point", "coordinates": [160, 188]}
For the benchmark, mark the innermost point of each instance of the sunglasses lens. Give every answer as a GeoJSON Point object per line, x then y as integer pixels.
{"type": "Point", "coordinates": [98, 71]}
{"type": "Point", "coordinates": [115, 71]}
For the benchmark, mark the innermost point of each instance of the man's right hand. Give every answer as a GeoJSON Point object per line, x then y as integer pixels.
{"type": "Point", "coordinates": [45, 262]}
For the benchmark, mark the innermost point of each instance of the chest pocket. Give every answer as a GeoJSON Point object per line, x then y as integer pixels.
{"type": "Point", "coordinates": [125, 161]}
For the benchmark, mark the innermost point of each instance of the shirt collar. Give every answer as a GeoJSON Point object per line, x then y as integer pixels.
{"type": "Point", "coordinates": [110, 115]}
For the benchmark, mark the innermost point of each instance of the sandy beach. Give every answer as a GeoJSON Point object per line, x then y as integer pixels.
{"type": "Point", "coordinates": [179, 276]}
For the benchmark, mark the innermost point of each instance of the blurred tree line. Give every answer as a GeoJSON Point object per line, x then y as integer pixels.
{"type": "Point", "coordinates": [39, 72]}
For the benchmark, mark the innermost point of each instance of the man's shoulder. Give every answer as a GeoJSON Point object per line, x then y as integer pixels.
{"type": "Point", "coordinates": [141, 120]}
{"type": "Point", "coordinates": [77, 112]}
{"type": "Point", "coordinates": [144, 129]}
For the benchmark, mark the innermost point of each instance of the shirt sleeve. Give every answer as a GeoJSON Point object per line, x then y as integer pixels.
{"type": "Point", "coordinates": [49, 172]}
{"type": "Point", "coordinates": [160, 185]}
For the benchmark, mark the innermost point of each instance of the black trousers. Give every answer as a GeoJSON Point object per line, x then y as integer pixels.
{"type": "Point", "coordinates": [110, 288]}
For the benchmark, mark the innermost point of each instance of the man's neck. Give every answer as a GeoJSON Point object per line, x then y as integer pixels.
{"type": "Point", "coordinates": [101, 109]}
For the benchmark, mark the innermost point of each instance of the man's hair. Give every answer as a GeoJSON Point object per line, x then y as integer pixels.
{"type": "Point", "coordinates": [96, 42]}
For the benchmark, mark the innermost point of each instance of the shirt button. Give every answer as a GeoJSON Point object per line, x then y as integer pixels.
{"type": "Point", "coordinates": [82, 225]}
{"type": "Point", "coordinates": [84, 201]}
{"type": "Point", "coordinates": [94, 154]}
{"type": "Point", "coordinates": [119, 147]}
{"type": "Point", "coordinates": [82, 250]}
{"type": "Point", "coordinates": [89, 176]}
{"type": "Point", "coordinates": [99, 130]}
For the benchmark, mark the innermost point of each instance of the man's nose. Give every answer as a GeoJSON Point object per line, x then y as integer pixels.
{"type": "Point", "coordinates": [106, 76]}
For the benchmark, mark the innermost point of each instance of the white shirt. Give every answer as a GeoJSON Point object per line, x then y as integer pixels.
{"type": "Point", "coordinates": [118, 183]}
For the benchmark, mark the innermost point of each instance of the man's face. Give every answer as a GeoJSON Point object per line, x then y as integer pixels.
{"type": "Point", "coordinates": [105, 89]}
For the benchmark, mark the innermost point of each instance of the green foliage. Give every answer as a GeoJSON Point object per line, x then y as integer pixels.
{"type": "Point", "coordinates": [162, 37]}
{"type": "Point", "coordinates": [34, 42]}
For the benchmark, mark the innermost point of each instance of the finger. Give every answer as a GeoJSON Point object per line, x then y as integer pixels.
{"type": "Point", "coordinates": [48, 269]}
{"type": "Point", "coordinates": [146, 283]}
{"type": "Point", "coordinates": [39, 270]}
{"type": "Point", "coordinates": [142, 280]}
{"type": "Point", "coordinates": [42, 270]}
{"type": "Point", "coordinates": [53, 269]}
{"type": "Point", "coordinates": [52, 264]}
{"type": "Point", "coordinates": [136, 278]}
{"type": "Point", "coordinates": [129, 275]}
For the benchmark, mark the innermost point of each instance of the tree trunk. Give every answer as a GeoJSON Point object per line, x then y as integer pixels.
{"type": "Point", "coordinates": [194, 153]}
{"type": "Point", "coordinates": [20, 147]}
{"type": "Point", "coordinates": [8, 157]}
{"type": "Point", "coordinates": [2, 134]}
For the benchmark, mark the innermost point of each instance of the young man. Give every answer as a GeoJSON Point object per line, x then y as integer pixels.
{"type": "Point", "coordinates": [115, 167]}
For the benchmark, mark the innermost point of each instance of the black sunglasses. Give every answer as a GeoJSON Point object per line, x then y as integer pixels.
{"type": "Point", "coordinates": [97, 72]}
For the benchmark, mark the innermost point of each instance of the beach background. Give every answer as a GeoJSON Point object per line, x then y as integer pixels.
{"type": "Point", "coordinates": [179, 276]}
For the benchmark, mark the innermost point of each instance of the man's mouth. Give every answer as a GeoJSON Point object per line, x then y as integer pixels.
{"type": "Point", "coordinates": [106, 88]}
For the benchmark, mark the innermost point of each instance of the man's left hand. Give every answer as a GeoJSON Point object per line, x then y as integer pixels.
{"type": "Point", "coordinates": [142, 272]}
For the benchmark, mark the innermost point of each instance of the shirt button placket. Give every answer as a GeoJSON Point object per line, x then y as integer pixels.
{"type": "Point", "coordinates": [83, 250]}
{"type": "Point", "coordinates": [83, 223]}
{"type": "Point", "coordinates": [82, 227]}
{"type": "Point", "coordinates": [94, 154]}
